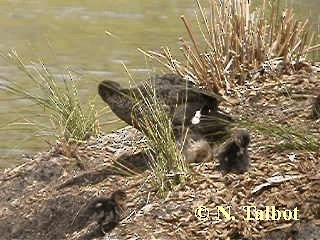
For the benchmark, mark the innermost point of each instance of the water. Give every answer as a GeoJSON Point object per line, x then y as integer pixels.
{"type": "Point", "coordinates": [71, 35]}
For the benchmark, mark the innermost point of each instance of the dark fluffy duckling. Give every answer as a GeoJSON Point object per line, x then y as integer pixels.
{"type": "Point", "coordinates": [233, 156]}
{"type": "Point", "coordinates": [105, 211]}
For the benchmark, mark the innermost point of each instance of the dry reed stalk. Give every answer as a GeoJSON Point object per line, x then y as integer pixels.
{"type": "Point", "coordinates": [237, 41]}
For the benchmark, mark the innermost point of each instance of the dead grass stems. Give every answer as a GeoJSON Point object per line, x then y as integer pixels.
{"type": "Point", "coordinates": [236, 42]}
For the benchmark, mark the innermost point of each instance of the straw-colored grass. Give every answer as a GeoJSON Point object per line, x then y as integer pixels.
{"type": "Point", "coordinates": [71, 119]}
{"type": "Point", "coordinates": [236, 42]}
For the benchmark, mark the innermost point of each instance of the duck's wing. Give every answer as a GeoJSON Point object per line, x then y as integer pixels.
{"type": "Point", "coordinates": [214, 126]}
{"type": "Point", "coordinates": [205, 93]}
{"type": "Point", "coordinates": [169, 79]}
{"type": "Point", "coordinates": [184, 113]}
{"type": "Point", "coordinates": [174, 81]}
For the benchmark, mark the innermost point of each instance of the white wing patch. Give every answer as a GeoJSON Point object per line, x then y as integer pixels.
{"type": "Point", "coordinates": [98, 205]}
{"type": "Point", "coordinates": [196, 118]}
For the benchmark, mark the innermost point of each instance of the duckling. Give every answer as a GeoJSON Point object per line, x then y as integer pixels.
{"type": "Point", "coordinates": [234, 154]}
{"type": "Point", "coordinates": [198, 151]}
{"type": "Point", "coordinates": [105, 211]}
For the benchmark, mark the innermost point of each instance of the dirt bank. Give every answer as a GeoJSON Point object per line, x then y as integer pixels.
{"type": "Point", "coordinates": [40, 199]}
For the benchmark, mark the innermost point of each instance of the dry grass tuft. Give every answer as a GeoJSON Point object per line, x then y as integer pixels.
{"type": "Point", "coordinates": [236, 42]}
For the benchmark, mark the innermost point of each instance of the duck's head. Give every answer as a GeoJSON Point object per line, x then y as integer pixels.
{"type": "Point", "coordinates": [242, 139]}
{"type": "Point", "coordinates": [119, 197]}
{"type": "Point", "coordinates": [107, 88]}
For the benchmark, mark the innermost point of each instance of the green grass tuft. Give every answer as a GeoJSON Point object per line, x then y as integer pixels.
{"type": "Point", "coordinates": [291, 138]}
{"type": "Point", "coordinates": [168, 164]}
{"type": "Point", "coordinates": [71, 119]}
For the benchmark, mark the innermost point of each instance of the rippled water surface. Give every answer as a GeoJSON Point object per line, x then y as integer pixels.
{"type": "Point", "coordinates": [71, 35]}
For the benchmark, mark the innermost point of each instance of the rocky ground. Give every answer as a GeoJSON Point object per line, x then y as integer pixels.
{"type": "Point", "coordinates": [40, 199]}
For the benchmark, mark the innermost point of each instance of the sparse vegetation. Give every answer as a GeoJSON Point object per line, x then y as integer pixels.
{"type": "Point", "coordinates": [71, 119]}
{"type": "Point", "coordinates": [292, 138]}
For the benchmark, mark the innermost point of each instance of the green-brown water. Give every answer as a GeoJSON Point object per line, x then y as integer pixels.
{"type": "Point", "coordinates": [71, 34]}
